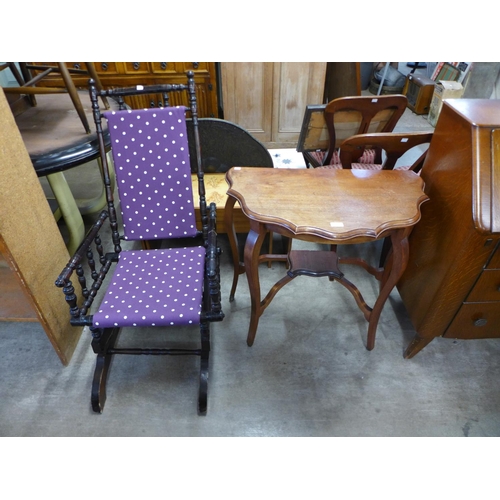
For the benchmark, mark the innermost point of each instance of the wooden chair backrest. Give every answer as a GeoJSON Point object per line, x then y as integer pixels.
{"type": "Point", "coordinates": [395, 146]}
{"type": "Point", "coordinates": [348, 116]}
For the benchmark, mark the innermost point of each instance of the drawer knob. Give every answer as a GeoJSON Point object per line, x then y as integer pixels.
{"type": "Point", "coordinates": [136, 65]}
{"type": "Point", "coordinates": [163, 65]}
{"type": "Point", "coordinates": [480, 322]}
{"type": "Point", "coordinates": [104, 66]}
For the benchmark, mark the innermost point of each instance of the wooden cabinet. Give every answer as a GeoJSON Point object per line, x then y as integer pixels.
{"type": "Point", "coordinates": [451, 287]}
{"type": "Point", "coordinates": [123, 74]}
{"type": "Point", "coordinates": [342, 79]}
{"type": "Point", "coordinates": [479, 315]}
{"type": "Point", "coordinates": [269, 99]}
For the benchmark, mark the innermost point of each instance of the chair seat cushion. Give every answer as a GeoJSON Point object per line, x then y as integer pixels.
{"type": "Point", "coordinates": [154, 288]}
{"type": "Point", "coordinates": [368, 157]}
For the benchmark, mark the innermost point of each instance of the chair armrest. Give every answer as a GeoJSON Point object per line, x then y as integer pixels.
{"type": "Point", "coordinates": [395, 146]}
{"type": "Point", "coordinates": [85, 253]}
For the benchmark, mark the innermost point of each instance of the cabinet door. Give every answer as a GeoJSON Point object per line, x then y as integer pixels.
{"type": "Point", "coordinates": [295, 85]}
{"type": "Point", "coordinates": [269, 99]}
{"type": "Point", "coordinates": [247, 97]}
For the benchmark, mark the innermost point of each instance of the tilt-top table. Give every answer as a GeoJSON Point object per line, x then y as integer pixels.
{"type": "Point", "coordinates": [332, 206]}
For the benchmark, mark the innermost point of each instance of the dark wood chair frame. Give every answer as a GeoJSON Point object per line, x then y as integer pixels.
{"type": "Point", "coordinates": [313, 134]}
{"type": "Point", "coordinates": [84, 261]}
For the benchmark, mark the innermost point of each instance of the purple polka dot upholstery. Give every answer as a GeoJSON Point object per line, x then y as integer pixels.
{"type": "Point", "coordinates": [154, 288]}
{"type": "Point", "coordinates": [151, 158]}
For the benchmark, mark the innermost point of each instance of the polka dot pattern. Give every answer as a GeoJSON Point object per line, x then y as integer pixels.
{"type": "Point", "coordinates": [154, 288]}
{"type": "Point", "coordinates": [151, 158]}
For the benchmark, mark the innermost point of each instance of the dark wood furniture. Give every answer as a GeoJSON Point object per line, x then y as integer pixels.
{"type": "Point", "coordinates": [342, 79]}
{"type": "Point", "coordinates": [324, 206]}
{"type": "Point", "coordinates": [173, 286]}
{"type": "Point", "coordinates": [451, 287]}
{"type": "Point", "coordinates": [343, 118]}
{"type": "Point", "coordinates": [124, 74]}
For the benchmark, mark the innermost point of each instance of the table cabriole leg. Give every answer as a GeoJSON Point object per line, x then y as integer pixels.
{"type": "Point", "coordinates": [396, 264]}
{"type": "Point", "coordinates": [252, 251]}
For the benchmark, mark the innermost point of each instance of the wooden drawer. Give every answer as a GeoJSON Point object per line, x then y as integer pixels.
{"type": "Point", "coordinates": [197, 67]}
{"type": "Point", "coordinates": [494, 263]}
{"type": "Point", "coordinates": [124, 74]}
{"type": "Point", "coordinates": [106, 68]}
{"type": "Point", "coordinates": [478, 320]}
{"type": "Point", "coordinates": [164, 68]}
{"type": "Point", "coordinates": [136, 68]}
{"type": "Point", "coordinates": [487, 288]}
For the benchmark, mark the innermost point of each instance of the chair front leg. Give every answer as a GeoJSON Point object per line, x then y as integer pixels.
{"type": "Point", "coordinates": [102, 341]}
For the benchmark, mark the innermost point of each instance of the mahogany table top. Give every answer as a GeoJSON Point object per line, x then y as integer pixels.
{"type": "Point", "coordinates": [332, 204]}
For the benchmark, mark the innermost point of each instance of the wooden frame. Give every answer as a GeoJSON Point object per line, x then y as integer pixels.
{"type": "Point", "coordinates": [314, 132]}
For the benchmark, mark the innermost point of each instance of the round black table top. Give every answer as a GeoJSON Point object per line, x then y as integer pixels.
{"type": "Point", "coordinates": [54, 134]}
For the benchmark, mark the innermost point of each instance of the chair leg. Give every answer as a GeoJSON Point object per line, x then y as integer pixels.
{"type": "Point", "coordinates": [102, 341]}
{"type": "Point", "coordinates": [205, 353]}
{"type": "Point", "coordinates": [69, 209]}
{"type": "Point", "coordinates": [70, 86]}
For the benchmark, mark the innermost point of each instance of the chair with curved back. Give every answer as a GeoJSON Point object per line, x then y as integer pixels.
{"type": "Point", "coordinates": [173, 287]}
{"type": "Point", "coordinates": [394, 145]}
{"type": "Point", "coordinates": [343, 118]}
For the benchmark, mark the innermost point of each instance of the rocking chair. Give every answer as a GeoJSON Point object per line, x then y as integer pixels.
{"type": "Point", "coordinates": [177, 283]}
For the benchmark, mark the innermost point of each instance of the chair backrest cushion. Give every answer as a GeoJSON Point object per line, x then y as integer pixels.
{"type": "Point", "coordinates": [151, 158]}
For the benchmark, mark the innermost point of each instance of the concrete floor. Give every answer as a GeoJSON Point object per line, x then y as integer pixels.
{"type": "Point", "coordinates": [307, 375]}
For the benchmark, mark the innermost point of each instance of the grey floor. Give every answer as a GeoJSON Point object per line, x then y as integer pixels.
{"type": "Point", "coordinates": [308, 373]}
